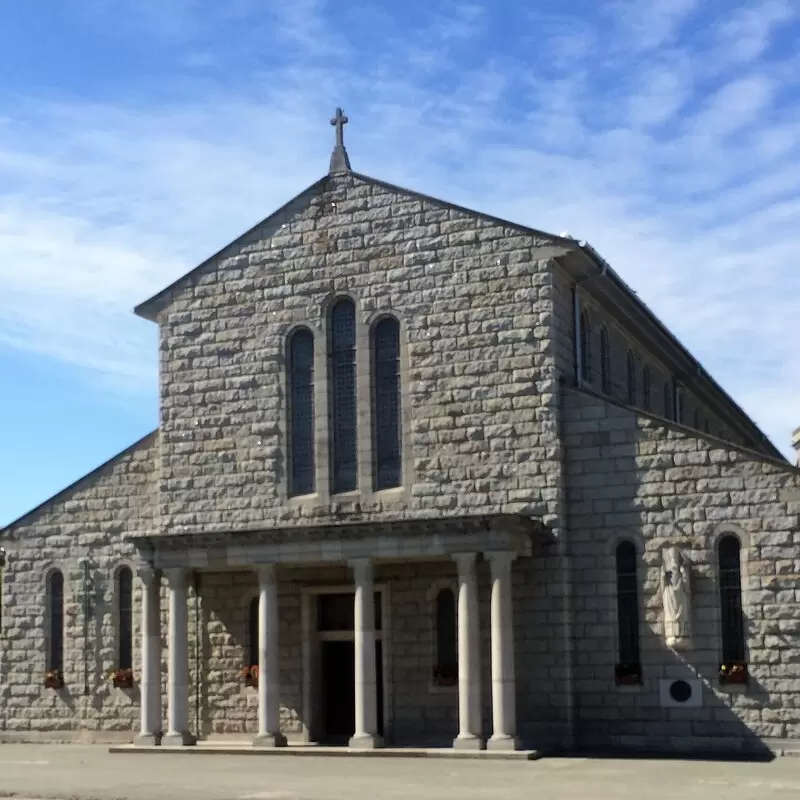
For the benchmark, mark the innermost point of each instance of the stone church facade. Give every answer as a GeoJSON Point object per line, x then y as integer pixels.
{"type": "Point", "coordinates": [421, 477]}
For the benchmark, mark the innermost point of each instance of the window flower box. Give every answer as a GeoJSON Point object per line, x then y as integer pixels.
{"type": "Point", "coordinates": [628, 674]}
{"type": "Point", "coordinates": [121, 678]}
{"type": "Point", "coordinates": [445, 675]}
{"type": "Point", "coordinates": [54, 679]}
{"type": "Point", "coordinates": [733, 673]}
{"type": "Point", "coordinates": [249, 675]}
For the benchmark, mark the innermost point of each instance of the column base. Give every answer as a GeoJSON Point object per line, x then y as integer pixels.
{"type": "Point", "coordinates": [179, 739]}
{"type": "Point", "coordinates": [468, 741]}
{"type": "Point", "coordinates": [147, 740]}
{"type": "Point", "coordinates": [503, 742]}
{"type": "Point", "coordinates": [365, 741]}
{"type": "Point", "coordinates": [270, 740]}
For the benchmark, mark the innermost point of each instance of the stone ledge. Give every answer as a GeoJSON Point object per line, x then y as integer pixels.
{"type": "Point", "coordinates": [315, 750]}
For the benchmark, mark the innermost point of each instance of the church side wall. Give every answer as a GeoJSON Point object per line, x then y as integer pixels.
{"type": "Point", "coordinates": [85, 524]}
{"type": "Point", "coordinates": [633, 476]}
{"type": "Point", "coordinates": [474, 300]}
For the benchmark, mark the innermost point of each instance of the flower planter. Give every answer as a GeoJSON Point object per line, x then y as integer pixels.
{"type": "Point", "coordinates": [628, 675]}
{"type": "Point", "coordinates": [249, 676]}
{"type": "Point", "coordinates": [121, 678]}
{"type": "Point", "coordinates": [733, 674]}
{"type": "Point", "coordinates": [54, 680]}
{"type": "Point", "coordinates": [445, 677]}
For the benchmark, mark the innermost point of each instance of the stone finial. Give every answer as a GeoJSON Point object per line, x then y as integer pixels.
{"type": "Point", "coordinates": [340, 162]}
{"type": "Point", "coordinates": [796, 443]}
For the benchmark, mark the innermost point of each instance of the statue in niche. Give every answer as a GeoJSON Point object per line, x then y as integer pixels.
{"type": "Point", "coordinates": [675, 592]}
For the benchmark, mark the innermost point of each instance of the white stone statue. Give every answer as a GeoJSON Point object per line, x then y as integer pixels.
{"type": "Point", "coordinates": [676, 595]}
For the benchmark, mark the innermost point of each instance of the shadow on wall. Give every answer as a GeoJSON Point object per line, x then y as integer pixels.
{"type": "Point", "coordinates": [656, 487]}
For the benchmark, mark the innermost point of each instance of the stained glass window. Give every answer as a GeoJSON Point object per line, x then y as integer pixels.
{"type": "Point", "coordinates": [125, 611]}
{"type": "Point", "coordinates": [730, 588]}
{"type": "Point", "coordinates": [343, 412]}
{"type": "Point", "coordinates": [386, 411]}
{"type": "Point", "coordinates": [301, 412]}
{"type": "Point", "coordinates": [55, 591]}
{"type": "Point", "coordinates": [627, 606]}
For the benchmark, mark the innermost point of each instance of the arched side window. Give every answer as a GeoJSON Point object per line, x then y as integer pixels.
{"type": "Point", "coordinates": [628, 668]}
{"type": "Point", "coordinates": [342, 393]}
{"type": "Point", "coordinates": [732, 616]}
{"type": "Point", "coordinates": [125, 618]}
{"type": "Point", "coordinates": [445, 670]}
{"type": "Point", "coordinates": [680, 406]}
{"type": "Point", "coordinates": [586, 347]}
{"type": "Point", "coordinates": [631, 369]}
{"type": "Point", "coordinates": [55, 609]}
{"type": "Point", "coordinates": [301, 412]}
{"type": "Point", "coordinates": [386, 403]}
{"type": "Point", "coordinates": [696, 419]}
{"type": "Point", "coordinates": [605, 362]}
{"type": "Point", "coordinates": [647, 389]}
{"type": "Point", "coordinates": [252, 632]}
{"type": "Point", "coordinates": [668, 399]}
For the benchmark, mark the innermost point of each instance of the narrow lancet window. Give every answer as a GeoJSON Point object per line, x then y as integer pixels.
{"type": "Point", "coordinates": [732, 616]}
{"type": "Point", "coordinates": [629, 664]}
{"type": "Point", "coordinates": [386, 403]}
{"type": "Point", "coordinates": [647, 389]}
{"type": "Point", "coordinates": [605, 362]}
{"type": "Point", "coordinates": [631, 369]}
{"type": "Point", "coordinates": [668, 400]}
{"type": "Point", "coordinates": [252, 632]}
{"type": "Point", "coordinates": [586, 347]}
{"type": "Point", "coordinates": [343, 412]}
{"type": "Point", "coordinates": [55, 639]}
{"type": "Point", "coordinates": [301, 412]}
{"type": "Point", "coordinates": [125, 618]}
{"type": "Point", "coordinates": [445, 670]}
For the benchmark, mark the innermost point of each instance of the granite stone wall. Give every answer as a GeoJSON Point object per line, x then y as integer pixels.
{"type": "Point", "coordinates": [638, 477]}
{"type": "Point", "coordinates": [474, 299]}
{"type": "Point", "coordinates": [84, 525]}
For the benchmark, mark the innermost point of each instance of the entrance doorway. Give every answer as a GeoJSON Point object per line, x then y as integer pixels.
{"type": "Point", "coordinates": [334, 686]}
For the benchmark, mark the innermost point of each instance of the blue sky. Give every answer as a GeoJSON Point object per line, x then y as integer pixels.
{"type": "Point", "coordinates": [139, 136]}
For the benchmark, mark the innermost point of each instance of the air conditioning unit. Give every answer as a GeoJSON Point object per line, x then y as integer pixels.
{"type": "Point", "coordinates": [680, 692]}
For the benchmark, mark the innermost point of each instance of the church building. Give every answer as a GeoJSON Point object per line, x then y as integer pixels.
{"type": "Point", "coordinates": [422, 478]}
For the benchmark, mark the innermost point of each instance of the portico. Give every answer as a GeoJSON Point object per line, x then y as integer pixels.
{"type": "Point", "coordinates": [360, 550]}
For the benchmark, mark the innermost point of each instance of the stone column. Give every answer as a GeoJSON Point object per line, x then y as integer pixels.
{"type": "Point", "coordinates": [366, 733]}
{"type": "Point", "coordinates": [150, 679]}
{"type": "Point", "coordinates": [269, 680]}
{"type": "Point", "coordinates": [504, 713]}
{"type": "Point", "coordinates": [469, 660]}
{"type": "Point", "coordinates": [178, 663]}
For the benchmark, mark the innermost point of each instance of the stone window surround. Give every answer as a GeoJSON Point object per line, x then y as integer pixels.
{"type": "Point", "coordinates": [431, 595]}
{"type": "Point", "coordinates": [611, 558]}
{"type": "Point", "coordinates": [312, 637]}
{"type": "Point", "coordinates": [115, 604]}
{"type": "Point", "coordinates": [365, 493]}
{"type": "Point", "coordinates": [719, 533]}
{"type": "Point", "coordinates": [66, 596]}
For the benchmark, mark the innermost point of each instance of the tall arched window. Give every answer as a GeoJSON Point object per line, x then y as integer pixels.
{"type": "Point", "coordinates": [680, 406]}
{"type": "Point", "coordinates": [629, 665]}
{"type": "Point", "coordinates": [696, 419]}
{"type": "Point", "coordinates": [730, 590]}
{"type": "Point", "coordinates": [386, 403]}
{"type": "Point", "coordinates": [343, 412]}
{"type": "Point", "coordinates": [586, 347]}
{"type": "Point", "coordinates": [301, 412]}
{"type": "Point", "coordinates": [668, 399]}
{"type": "Point", "coordinates": [55, 639]}
{"type": "Point", "coordinates": [647, 389]}
{"type": "Point", "coordinates": [445, 670]}
{"type": "Point", "coordinates": [252, 632]}
{"type": "Point", "coordinates": [125, 618]}
{"type": "Point", "coordinates": [631, 365]}
{"type": "Point", "coordinates": [605, 362]}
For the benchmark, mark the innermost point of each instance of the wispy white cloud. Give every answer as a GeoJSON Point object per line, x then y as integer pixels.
{"type": "Point", "coordinates": [683, 173]}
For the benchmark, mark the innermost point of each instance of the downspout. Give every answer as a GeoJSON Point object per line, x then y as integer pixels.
{"type": "Point", "coordinates": [197, 651]}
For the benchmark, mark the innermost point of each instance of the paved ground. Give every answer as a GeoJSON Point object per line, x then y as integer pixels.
{"type": "Point", "coordinates": [89, 772]}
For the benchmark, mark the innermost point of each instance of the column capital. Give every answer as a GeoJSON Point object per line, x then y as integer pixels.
{"type": "Point", "coordinates": [176, 577]}
{"type": "Point", "coordinates": [267, 574]}
{"type": "Point", "coordinates": [500, 559]}
{"type": "Point", "coordinates": [148, 575]}
{"type": "Point", "coordinates": [464, 561]}
{"type": "Point", "coordinates": [362, 568]}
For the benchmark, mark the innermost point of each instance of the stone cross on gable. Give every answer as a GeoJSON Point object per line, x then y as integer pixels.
{"type": "Point", "coordinates": [340, 161]}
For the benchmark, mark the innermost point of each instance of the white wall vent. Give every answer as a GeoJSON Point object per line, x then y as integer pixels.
{"type": "Point", "coordinates": [681, 693]}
